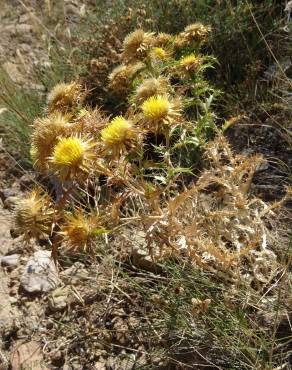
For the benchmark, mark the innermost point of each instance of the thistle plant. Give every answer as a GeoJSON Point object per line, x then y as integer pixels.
{"type": "Point", "coordinates": [78, 145]}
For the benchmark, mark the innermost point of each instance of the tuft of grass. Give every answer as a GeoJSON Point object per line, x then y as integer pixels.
{"type": "Point", "coordinates": [19, 108]}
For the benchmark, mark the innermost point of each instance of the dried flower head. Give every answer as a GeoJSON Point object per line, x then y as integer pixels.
{"type": "Point", "coordinates": [162, 39]}
{"type": "Point", "coordinates": [90, 122]}
{"type": "Point", "coordinates": [65, 97]}
{"type": "Point", "coordinates": [80, 231]}
{"type": "Point", "coordinates": [150, 87]}
{"type": "Point", "coordinates": [120, 78]}
{"type": "Point", "coordinates": [193, 34]}
{"type": "Point", "coordinates": [119, 135]}
{"type": "Point", "coordinates": [33, 215]}
{"type": "Point", "coordinates": [136, 45]}
{"type": "Point", "coordinates": [159, 112]}
{"type": "Point", "coordinates": [45, 136]}
{"type": "Point", "coordinates": [72, 155]}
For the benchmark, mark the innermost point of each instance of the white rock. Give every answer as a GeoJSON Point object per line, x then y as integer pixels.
{"type": "Point", "coordinates": [10, 260]}
{"type": "Point", "coordinates": [40, 273]}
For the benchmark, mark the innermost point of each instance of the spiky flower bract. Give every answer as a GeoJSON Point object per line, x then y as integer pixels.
{"type": "Point", "coordinates": [150, 87]}
{"type": "Point", "coordinates": [33, 215]}
{"type": "Point", "coordinates": [72, 155]}
{"type": "Point", "coordinates": [121, 76]}
{"type": "Point", "coordinates": [159, 111]}
{"type": "Point", "coordinates": [119, 135]}
{"type": "Point", "coordinates": [45, 136]}
{"type": "Point", "coordinates": [90, 122]}
{"type": "Point", "coordinates": [162, 39]}
{"type": "Point", "coordinates": [194, 34]}
{"type": "Point", "coordinates": [136, 45]}
{"type": "Point", "coordinates": [65, 97]}
{"type": "Point", "coordinates": [79, 231]}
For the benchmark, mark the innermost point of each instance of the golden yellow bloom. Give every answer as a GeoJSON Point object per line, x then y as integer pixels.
{"type": "Point", "coordinates": [33, 215]}
{"type": "Point", "coordinates": [160, 111]}
{"type": "Point", "coordinates": [195, 33]}
{"type": "Point", "coordinates": [79, 231]}
{"type": "Point", "coordinates": [189, 63]}
{"type": "Point", "coordinates": [136, 45]}
{"type": "Point", "coordinates": [65, 97]}
{"type": "Point", "coordinates": [72, 155]}
{"type": "Point", "coordinates": [121, 76]}
{"type": "Point", "coordinates": [45, 136]}
{"type": "Point", "coordinates": [119, 136]}
{"type": "Point", "coordinates": [150, 87]}
{"type": "Point", "coordinates": [159, 53]}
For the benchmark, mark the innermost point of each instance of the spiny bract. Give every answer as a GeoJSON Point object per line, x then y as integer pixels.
{"type": "Point", "coordinates": [65, 97]}
{"type": "Point", "coordinates": [150, 87]}
{"type": "Point", "coordinates": [120, 77]}
{"type": "Point", "coordinates": [33, 215]}
{"type": "Point", "coordinates": [45, 136]}
{"type": "Point", "coordinates": [195, 33]}
{"type": "Point", "coordinates": [79, 231]}
{"type": "Point", "coordinates": [136, 45]}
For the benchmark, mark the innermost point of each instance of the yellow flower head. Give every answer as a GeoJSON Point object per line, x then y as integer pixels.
{"type": "Point", "coordinates": [159, 53]}
{"type": "Point", "coordinates": [45, 136]}
{"type": "Point", "coordinates": [156, 107]}
{"type": "Point", "coordinates": [79, 231]}
{"type": "Point", "coordinates": [119, 135]}
{"type": "Point", "coordinates": [72, 155]}
{"type": "Point", "coordinates": [160, 111]}
{"type": "Point", "coordinates": [121, 76]}
{"type": "Point", "coordinates": [195, 33]}
{"type": "Point", "coordinates": [65, 97]}
{"type": "Point", "coordinates": [136, 45]}
{"type": "Point", "coordinates": [190, 63]}
{"type": "Point", "coordinates": [33, 215]}
{"type": "Point", "coordinates": [150, 87]}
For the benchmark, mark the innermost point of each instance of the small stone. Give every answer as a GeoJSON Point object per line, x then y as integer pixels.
{"type": "Point", "coordinates": [10, 202]}
{"type": "Point", "coordinates": [75, 274]}
{"type": "Point", "coordinates": [13, 72]}
{"type": "Point", "coordinates": [10, 192]}
{"type": "Point", "coordinates": [26, 181]}
{"type": "Point", "coordinates": [40, 273]}
{"type": "Point", "coordinates": [11, 260]}
{"type": "Point", "coordinates": [27, 356]}
{"type": "Point", "coordinates": [10, 29]}
{"type": "Point", "coordinates": [23, 28]}
{"type": "Point", "coordinates": [142, 259]}
{"type": "Point", "coordinates": [58, 299]}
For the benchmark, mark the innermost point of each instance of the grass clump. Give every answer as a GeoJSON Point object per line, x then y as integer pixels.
{"type": "Point", "coordinates": [18, 108]}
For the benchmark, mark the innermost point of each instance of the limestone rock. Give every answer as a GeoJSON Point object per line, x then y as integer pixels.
{"type": "Point", "coordinates": [40, 273]}
{"type": "Point", "coordinates": [11, 260]}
